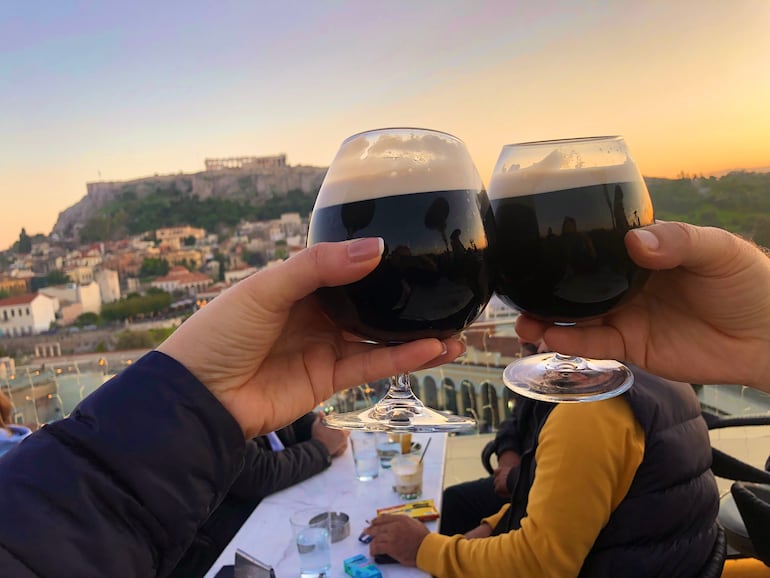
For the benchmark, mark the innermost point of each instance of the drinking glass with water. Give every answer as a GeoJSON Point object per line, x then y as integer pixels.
{"type": "Point", "coordinates": [312, 534]}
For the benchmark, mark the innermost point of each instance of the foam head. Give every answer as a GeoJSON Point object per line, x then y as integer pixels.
{"type": "Point", "coordinates": [532, 168]}
{"type": "Point", "coordinates": [399, 161]}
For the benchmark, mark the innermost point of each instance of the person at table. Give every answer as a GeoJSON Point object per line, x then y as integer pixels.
{"type": "Point", "coordinates": [703, 316]}
{"type": "Point", "coordinates": [464, 504]}
{"type": "Point", "coordinates": [10, 433]}
{"type": "Point", "coordinates": [272, 463]}
{"type": "Point", "coordinates": [103, 497]}
{"type": "Point", "coordinates": [619, 487]}
{"type": "Point", "coordinates": [120, 487]}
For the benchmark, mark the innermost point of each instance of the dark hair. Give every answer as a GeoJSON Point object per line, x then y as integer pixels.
{"type": "Point", "coordinates": [6, 407]}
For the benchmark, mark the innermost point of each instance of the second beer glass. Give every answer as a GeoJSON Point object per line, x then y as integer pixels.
{"type": "Point", "coordinates": [419, 190]}
{"type": "Point", "coordinates": [562, 209]}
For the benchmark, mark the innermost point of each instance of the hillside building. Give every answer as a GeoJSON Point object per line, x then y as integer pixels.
{"type": "Point", "coordinates": [27, 314]}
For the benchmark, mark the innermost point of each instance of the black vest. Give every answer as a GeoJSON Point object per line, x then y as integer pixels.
{"type": "Point", "coordinates": [665, 526]}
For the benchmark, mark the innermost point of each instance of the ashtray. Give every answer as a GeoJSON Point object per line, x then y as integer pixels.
{"type": "Point", "coordinates": [340, 524]}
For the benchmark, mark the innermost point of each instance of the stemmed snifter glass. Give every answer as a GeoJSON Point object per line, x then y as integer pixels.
{"type": "Point", "coordinates": [562, 208]}
{"type": "Point", "coordinates": [419, 190]}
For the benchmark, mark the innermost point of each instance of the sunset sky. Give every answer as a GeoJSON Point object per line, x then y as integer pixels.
{"type": "Point", "coordinates": [107, 90]}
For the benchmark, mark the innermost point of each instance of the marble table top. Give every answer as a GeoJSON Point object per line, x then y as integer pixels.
{"type": "Point", "coordinates": [267, 535]}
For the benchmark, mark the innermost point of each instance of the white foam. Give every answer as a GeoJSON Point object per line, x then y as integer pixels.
{"type": "Point", "coordinates": [557, 172]}
{"type": "Point", "coordinates": [376, 165]}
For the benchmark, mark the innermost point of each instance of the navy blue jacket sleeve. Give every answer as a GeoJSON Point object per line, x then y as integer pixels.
{"type": "Point", "coordinates": [119, 488]}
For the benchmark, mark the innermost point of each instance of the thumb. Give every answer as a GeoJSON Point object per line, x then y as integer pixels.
{"type": "Point", "coordinates": [703, 250]}
{"type": "Point", "coordinates": [321, 265]}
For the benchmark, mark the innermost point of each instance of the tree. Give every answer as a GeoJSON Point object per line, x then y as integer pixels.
{"type": "Point", "coordinates": [25, 242]}
{"type": "Point", "coordinates": [87, 318]}
{"type": "Point", "coordinates": [133, 340]}
{"type": "Point", "coordinates": [153, 267]}
{"type": "Point", "coordinates": [57, 277]}
{"type": "Point", "coordinates": [761, 234]}
{"type": "Point", "coordinates": [220, 258]}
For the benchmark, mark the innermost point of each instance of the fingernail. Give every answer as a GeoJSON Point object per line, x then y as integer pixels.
{"type": "Point", "coordinates": [444, 348]}
{"type": "Point", "coordinates": [647, 239]}
{"type": "Point", "coordinates": [365, 249]}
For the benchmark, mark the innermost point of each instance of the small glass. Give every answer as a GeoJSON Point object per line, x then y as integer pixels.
{"type": "Point", "coordinates": [367, 462]}
{"type": "Point", "coordinates": [312, 535]}
{"type": "Point", "coordinates": [387, 447]}
{"type": "Point", "coordinates": [407, 475]}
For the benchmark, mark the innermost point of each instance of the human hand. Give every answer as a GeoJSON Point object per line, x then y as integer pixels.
{"type": "Point", "coordinates": [703, 316]}
{"type": "Point", "coordinates": [506, 461]}
{"type": "Point", "coordinates": [334, 440]}
{"type": "Point", "coordinates": [397, 535]}
{"type": "Point", "coordinates": [269, 354]}
{"type": "Point", "coordinates": [483, 530]}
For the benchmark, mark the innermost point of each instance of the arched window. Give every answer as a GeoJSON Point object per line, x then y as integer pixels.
{"type": "Point", "coordinates": [429, 394]}
{"type": "Point", "coordinates": [490, 413]}
{"type": "Point", "coordinates": [450, 396]}
{"type": "Point", "coordinates": [470, 406]}
{"type": "Point", "coordinates": [415, 381]}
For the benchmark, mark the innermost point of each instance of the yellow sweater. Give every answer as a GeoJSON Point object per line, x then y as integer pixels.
{"type": "Point", "coordinates": [587, 456]}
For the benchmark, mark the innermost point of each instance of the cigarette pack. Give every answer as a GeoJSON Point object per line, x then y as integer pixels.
{"type": "Point", "coordinates": [360, 567]}
{"type": "Point", "coordinates": [423, 510]}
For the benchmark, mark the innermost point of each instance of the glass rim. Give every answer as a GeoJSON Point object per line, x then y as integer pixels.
{"type": "Point", "coordinates": [575, 140]}
{"type": "Point", "coordinates": [403, 128]}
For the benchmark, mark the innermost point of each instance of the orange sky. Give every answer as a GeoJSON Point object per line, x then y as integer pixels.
{"type": "Point", "coordinates": [117, 92]}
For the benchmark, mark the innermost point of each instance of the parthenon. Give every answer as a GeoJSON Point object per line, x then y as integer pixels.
{"type": "Point", "coordinates": [246, 162]}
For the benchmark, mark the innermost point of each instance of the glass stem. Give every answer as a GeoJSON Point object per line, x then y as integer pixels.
{"type": "Point", "coordinates": [560, 362]}
{"type": "Point", "coordinates": [399, 396]}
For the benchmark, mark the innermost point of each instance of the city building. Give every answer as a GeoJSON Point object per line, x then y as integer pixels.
{"type": "Point", "coordinates": [109, 285]}
{"type": "Point", "coordinates": [234, 275]}
{"type": "Point", "coordinates": [75, 299]}
{"type": "Point", "coordinates": [175, 236]}
{"type": "Point", "coordinates": [12, 285]}
{"type": "Point", "coordinates": [180, 279]}
{"type": "Point", "coordinates": [80, 275]}
{"type": "Point", "coordinates": [27, 314]}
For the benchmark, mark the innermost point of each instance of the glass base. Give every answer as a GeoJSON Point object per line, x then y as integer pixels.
{"type": "Point", "coordinates": [402, 419]}
{"type": "Point", "coordinates": [563, 379]}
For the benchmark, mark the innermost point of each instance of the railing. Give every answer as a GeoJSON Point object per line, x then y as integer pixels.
{"type": "Point", "coordinates": [471, 385]}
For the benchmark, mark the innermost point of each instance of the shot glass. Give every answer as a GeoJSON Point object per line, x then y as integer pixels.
{"type": "Point", "coordinates": [312, 534]}
{"type": "Point", "coordinates": [407, 475]}
{"type": "Point", "coordinates": [365, 456]}
{"type": "Point", "coordinates": [387, 447]}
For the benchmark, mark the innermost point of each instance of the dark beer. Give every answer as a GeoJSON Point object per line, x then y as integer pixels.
{"type": "Point", "coordinates": [434, 278]}
{"type": "Point", "coordinates": [560, 256]}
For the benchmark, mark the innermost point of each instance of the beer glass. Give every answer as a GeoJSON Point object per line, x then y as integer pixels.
{"type": "Point", "coordinates": [419, 190]}
{"type": "Point", "coordinates": [562, 208]}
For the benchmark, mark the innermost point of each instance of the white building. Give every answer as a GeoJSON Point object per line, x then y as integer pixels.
{"type": "Point", "coordinates": [27, 314]}
{"type": "Point", "coordinates": [235, 275]}
{"type": "Point", "coordinates": [109, 285]}
{"type": "Point", "coordinates": [87, 296]}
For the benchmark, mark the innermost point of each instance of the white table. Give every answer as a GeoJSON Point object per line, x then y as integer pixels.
{"type": "Point", "coordinates": [267, 535]}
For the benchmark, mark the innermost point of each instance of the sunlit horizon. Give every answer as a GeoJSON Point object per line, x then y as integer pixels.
{"type": "Point", "coordinates": [114, 92]}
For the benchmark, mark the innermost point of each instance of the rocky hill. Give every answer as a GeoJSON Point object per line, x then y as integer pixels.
{"type": "Point", "coordinates": [252, 186]}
